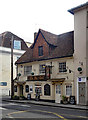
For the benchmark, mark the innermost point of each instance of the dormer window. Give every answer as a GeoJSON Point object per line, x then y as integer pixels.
{"type": "Point", "coordinates": [40, 50]}
{"type": "Point", "coordinates": [17, 45]}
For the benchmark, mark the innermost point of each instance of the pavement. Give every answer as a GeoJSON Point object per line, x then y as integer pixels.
{"type": "Point", "coordinates": [81, 107]}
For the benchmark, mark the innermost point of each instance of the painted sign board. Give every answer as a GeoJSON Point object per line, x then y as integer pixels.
{"type": "Point", "coordinates": [72, 100]}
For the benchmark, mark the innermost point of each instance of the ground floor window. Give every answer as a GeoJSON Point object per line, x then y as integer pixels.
{"type": "Point", "coordinates": [69, 90]}
{"type": "Point", "coordinates": [26, 88]}
{"type": "Point", "coordinates": [38, 89]}
{"type": "Point", "coordinates": [31, 88]}
{"type": "Point", "coordinates": [47, 89]}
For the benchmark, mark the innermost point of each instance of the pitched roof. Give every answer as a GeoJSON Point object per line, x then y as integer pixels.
{"type": "Point", "coordinates": [63, 45]}
{"type": "Point", "coordinates": [82, 6]}
{"type": "Point", "coordinates": [5, 40]}
{"type": "Point", "coordinates": [50, 38]}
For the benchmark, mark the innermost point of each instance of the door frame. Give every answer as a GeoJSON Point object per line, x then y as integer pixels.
{"type": "Point", "coordinates": [82, 80]}
{"type": "Point", "coordinates": [60, 91]}
{"type": "Point", "coordinates": [21, 90]}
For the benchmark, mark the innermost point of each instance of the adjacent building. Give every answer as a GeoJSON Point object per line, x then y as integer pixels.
{"type": "Point", "coordinates": [81, 52]}
{"type": "Point", "coordinates": [19, 47]}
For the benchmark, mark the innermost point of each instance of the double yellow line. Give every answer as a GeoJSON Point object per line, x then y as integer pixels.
{"type": "Point", "coordinates": [37, 111]}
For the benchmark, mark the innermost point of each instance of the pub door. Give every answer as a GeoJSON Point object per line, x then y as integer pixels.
{"type": "Point", "coordinates": [21, 90]}
{"type": "Point", "coordinates": [58, 93]}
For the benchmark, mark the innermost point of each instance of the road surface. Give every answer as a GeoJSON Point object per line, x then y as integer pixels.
{"type": "Point", "coordinates": [19, 110]}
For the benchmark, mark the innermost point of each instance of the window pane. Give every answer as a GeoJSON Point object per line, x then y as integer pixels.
{"type": "Point", "coordinates": [40, 50]}
{"type": "Point", "coordinates": [42, 68]}
{"type": "Point", "coordinates": [31, 88]}
{"type": "Point", "coordinates": [26, 88]}
{"type": "Point", "coordinates": [62, 67]}
{"type": "Point", "coordinates": [27, 70]}
{"type": "Point", "coordinates": [47, 89]}
{"type": "Point", "coordinates": [69, 90]}
{"type": "Point", "coordinates": [38, 89]}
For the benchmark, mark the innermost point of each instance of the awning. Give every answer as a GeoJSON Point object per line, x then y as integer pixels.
{"type": "Point", "coordinates": [20, 82]}
{"type": "Point", "coordinates": [57, 80]}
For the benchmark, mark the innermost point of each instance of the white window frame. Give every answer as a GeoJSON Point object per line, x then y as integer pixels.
{"type": "Point", "coordinates": [38, 86]}
{"type": "Point", "coordinates": [17, 44]}
{"type": "Point", "coordinates": [42, 68]}
{"type": "Point", "coordinates": [62, 67]}
{"type": "Point", "coordinates": [68, 93]}
{"type": "Point", "coordinates": [27, 70]}
{"type": "Point", "coordinates": [30, 87]}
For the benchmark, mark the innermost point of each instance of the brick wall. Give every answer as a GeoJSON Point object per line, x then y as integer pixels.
{"type": "Point", "coordinates": [40, 42]}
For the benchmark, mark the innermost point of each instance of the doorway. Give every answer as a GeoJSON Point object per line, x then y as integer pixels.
{"type": "Point", "coordinates": [81, 86]}
{"type": "Point", "coordinates": [21, 90]}
{"type": "Point", "coordinates": [58, 93]}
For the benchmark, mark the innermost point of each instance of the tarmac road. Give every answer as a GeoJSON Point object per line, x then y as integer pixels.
{"type": "Point", "coordinates": [21, 111]}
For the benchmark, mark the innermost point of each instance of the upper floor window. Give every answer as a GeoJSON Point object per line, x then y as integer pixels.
{"type": "Point", "coordinates": [40, 50]}
{"type": "Point", "coordinates": [17, 44]}
{"type": "Point", "coordinates": [42, 68]}
{"type": "Point", "coordinates": [62, 67]}
{"type": "Point", "coordinates": [27, 70]}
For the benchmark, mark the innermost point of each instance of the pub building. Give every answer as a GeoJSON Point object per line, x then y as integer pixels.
{"type": "Point", "coordinates": [45, 69]}
{"type": "Point", "coordinates": [56, 66]}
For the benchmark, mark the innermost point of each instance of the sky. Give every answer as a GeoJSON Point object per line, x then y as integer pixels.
{"type": "Point", "coordinates": [24, 17]}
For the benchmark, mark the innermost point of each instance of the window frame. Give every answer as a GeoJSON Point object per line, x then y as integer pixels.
{"type": "Point", "coordinates": [42, 69]}
{"type": "Point", "coordinates": [62, 67]}
{"type": "Point", "coordinates": [26, 88]}
{"type": "Point", "coordinates": [45, 90]}
{"type": "Point", "coordinates": [40, 50]}
{"type": "Point", "coordinates": [38, 87]}
{"type": "Point", "coordinates": [70, 90]}
{"type": "Point", "coordinates": [27, 70]}
{"type": "Point", "coordinates": [31, 87]}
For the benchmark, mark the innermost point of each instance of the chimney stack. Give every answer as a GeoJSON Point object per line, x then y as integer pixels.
{"type": "Point", "coordinates": [35, 34]}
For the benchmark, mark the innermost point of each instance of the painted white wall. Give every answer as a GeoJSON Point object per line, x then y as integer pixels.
{"type": "Point", "coordinates": [5, 69]}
